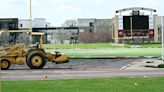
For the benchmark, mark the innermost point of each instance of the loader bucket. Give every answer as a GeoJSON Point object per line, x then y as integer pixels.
{"type": "Point", "coordinates": [61, 59]}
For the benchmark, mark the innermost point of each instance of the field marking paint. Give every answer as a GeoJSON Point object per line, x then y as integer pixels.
{"type": "Point", "coordinates": [126, 66]}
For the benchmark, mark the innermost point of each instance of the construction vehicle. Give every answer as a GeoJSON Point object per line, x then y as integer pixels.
{"type": "Point", "coordinates": [35, 57]}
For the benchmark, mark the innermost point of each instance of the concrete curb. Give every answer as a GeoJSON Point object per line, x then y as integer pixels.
{"type": "Point", "coordinates": [145, 64]}
{"type": "Point", "coordinates": [111, 57]}
{"type": "Point", "coordinates": [155, 65]}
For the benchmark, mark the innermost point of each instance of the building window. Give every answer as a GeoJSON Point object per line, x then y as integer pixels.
{"type": "Point", "coordinates": [21, 25]}
{"type": "Point", "coordinates": [91, 24]}
{"type": "Point", "coordinates": [5, 25]}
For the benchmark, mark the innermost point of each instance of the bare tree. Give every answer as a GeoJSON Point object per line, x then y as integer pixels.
{"type": "Point", "coordinates": [86, 37]}
{"type": "Point", "coordinates": [102, 32]}
{"type": "Point", "coordinates": [61, 36]}
{"type": "Point", "coordinates": [70, 23]}
{"type": "Point", "coordinates": [103, 25]}
{"type": "Point", "coordinates": [4, 39]}
{"type": "Point", "coordinates": [23, 38]}
{"type": "Point", "coordinates": [95, 37]}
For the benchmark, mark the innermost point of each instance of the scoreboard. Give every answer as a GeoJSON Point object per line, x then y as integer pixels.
{"type": "Point", "coordinates": [136, 26]}
{"type": "Point", "coordinates": [138, 22]}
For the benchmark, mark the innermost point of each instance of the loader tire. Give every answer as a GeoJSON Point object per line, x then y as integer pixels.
{"type": "Point", "coordinates": [36, 60]}
{"type": "Point", "coordinates": [5, 64]}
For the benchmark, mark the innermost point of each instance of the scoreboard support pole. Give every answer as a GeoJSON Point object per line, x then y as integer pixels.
{"type": "Point", "coordinates": [131, 27]}
{"type": "Point", "coordinates": [116, 38]}
{"type": "Point", "coordinates": [156, 35]}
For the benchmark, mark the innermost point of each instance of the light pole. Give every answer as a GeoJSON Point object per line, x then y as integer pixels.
{"type": "Point", "coordinates": [72, 38]}
{"type": "Point", "coordinates": [162, 29]}
{"type": "Point", "coordinates": [30, 16]}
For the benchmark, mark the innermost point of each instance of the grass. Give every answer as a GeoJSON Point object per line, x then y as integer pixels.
{"type": "Point", "coordinates": [96, 45]}
{"type": "Point", "coordinates": [82, 46]}
{"type": "Point", "coordinates": [154, 84]}
{"type": "Point", "coordinates": [110, 52]}
{"type": "Point", "coordinates": [149, 45]}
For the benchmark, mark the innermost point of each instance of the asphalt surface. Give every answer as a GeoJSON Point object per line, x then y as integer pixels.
{"type": "Point", "coordinates": [83, 64]}
{"type": "Point", "coordinates": [77, 68]}
{"type": "Point", "coordinates": [50, 74]}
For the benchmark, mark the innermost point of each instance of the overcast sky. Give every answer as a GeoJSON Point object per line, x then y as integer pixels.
{"type": "Point", "coordinates": [57, 11]}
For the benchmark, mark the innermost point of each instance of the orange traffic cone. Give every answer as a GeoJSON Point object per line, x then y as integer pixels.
{"type": "Point", "coordinates": [46, 76]}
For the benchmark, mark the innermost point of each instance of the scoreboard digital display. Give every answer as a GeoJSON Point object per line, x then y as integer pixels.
{"type": "Point", "coordinates": [138, 22]}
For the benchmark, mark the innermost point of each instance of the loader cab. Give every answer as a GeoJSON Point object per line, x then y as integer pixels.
{"type": "Point", "coordinates": [41, 37]}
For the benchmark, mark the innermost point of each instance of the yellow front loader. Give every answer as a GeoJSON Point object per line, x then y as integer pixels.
{"type": "Point", "coordinates": [35, 57]}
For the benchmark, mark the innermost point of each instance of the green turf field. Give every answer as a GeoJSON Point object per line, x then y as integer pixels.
{"type": "Point", "coordinates": [87, 85]}
{"type": "Point", "coordinates": [83, 46]}
{"type": "Point", "coordinates": [110, 52]}
{"type": "Point", "coordinates": [96, 45]}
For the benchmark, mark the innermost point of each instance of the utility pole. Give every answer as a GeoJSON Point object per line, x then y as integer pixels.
{"type": "Point", "coordinates": [162, 29]}
{"type": "Point", "coordinates": [30, 2]}
{"type": "Point", "coordinates": [30, 16]}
